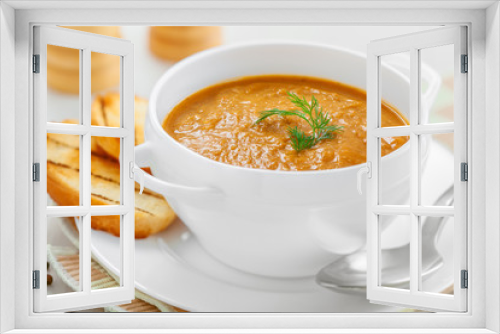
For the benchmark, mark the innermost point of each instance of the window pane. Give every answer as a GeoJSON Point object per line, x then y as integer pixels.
{"type": "Point", "coordinates": [436, 241]}
{"type": "Point", "coordinates": [394, 264]}
{"type": "Point", "coordinates": [99, 277]}
{"type": "Point", "coordinates": [63, 169]}
{"type": "Point", "coordinates": [106, 178]}
{"type": "Point", "coordinates": [437, 167]}
{"type": "Point", "coordinates": [437, 64]}
{"type": "Point", "coordinates": [394, 172]}
{"type": "Point", "coordinates": [63, 259]}
{"type": "Point", "coordinates": [395, 88]}
{"type": "Point", "coordinates": [106, 80]}
{"type": "Point", "coordinates": [63, 80]}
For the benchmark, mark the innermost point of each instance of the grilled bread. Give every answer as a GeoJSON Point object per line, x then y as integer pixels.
{"type": "Point", "coordinates": [63, 65]}
{"type": "Point", "coordinates": [152, 212]}
{"type": "Point", "coordinates": [69, 81]}
{"type": "Point", "coordinates": [106, 112]}
{"type": "Point", "coordinates": [176, 43]}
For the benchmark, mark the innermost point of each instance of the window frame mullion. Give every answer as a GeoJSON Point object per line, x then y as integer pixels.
{"type": "Point", "coordinates": [415, 267]}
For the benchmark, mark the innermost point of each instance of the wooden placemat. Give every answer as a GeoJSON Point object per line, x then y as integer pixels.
{"type": "Point", "coordinates": [65, 262]}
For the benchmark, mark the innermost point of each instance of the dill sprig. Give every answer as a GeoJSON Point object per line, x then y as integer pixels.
{"type": "Point", "coordinates": [313, 114]}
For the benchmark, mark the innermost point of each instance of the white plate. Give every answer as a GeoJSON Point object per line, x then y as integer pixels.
{"type": "Point", "coordinates": [172, 267]}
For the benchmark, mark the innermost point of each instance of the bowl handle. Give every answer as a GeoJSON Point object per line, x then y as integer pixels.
{"type": "Point", "coordinates": [367, 169]}
{"type": "Point", "coordinates": [162, 187]}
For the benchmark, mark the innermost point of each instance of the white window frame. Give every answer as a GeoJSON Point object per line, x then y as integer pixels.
{"type": "Point", "coordinates": [456, 36]}
{"type": "Point", "coordinates": [85, 43]}
{"type": "Point", "coordinates": [16, 21]}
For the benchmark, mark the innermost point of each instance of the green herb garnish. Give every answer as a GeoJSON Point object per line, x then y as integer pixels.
{"type": "Point", "coordinates": [313, 114]}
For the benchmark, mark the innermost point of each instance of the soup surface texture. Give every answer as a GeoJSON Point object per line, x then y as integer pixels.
{"type": "Point", "coordinates": [218, 123]}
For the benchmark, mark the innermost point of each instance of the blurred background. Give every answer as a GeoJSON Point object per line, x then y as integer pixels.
{"type": "Point", "coordinates": [155, 53]}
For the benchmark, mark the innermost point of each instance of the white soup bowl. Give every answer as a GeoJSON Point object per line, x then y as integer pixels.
{"type": "Point", "coordinates": [273, 223]}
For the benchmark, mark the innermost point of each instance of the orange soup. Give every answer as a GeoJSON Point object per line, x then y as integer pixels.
{"type": "Point", "coordinates": [218, 122]}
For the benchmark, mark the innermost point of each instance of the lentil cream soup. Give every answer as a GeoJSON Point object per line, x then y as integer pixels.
{"type": "Point", "coordinates": [218, 123]}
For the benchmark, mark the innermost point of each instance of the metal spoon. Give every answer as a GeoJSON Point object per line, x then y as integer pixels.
{"type": "Point", "coordinates": [348, 274]}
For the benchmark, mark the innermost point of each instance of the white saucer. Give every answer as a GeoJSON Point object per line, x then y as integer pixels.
{"type": "Point", "coordinates": [171, 266]}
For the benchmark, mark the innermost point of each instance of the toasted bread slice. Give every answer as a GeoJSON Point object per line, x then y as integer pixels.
{"type": "Point", "coordinates": [106, 112]}
{"type": "Point", "coordinates": [152, 212]}
{"type": "Point", "coordinates": [68, 81]}
{"type": "Point", "coordinates": [187, 34]}
{"type": "Point", "coordinates": [63, 65]}
{"type": "Point", "coordinates": [74, 141]}
{"type": "Point", "coordinates": [174, 45]}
